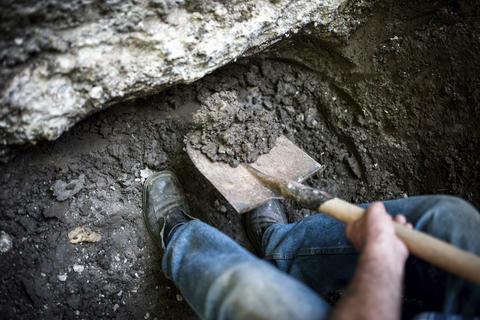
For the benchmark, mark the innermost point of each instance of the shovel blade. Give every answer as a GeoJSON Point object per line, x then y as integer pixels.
{"type": "Point", "coordinates": [240, 188]}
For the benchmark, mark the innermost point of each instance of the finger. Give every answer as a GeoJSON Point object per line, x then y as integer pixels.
{"type": "Point", "coordinates": [377, 215]}
{"type": "Point", "coordinates": [400, 218]}
{"type": "Point", "coordinates": [376, 210]}
{"type": "Point", "coordinates": [409, 226]}
{"type": "Point", "coordinates": [377, 207]}
{"type": "Point", "coordinates": [351, 233]}
{"type": "Point", "coordinates": [355, 232]}
{"type": "Point", "coordinates": [350, 228]}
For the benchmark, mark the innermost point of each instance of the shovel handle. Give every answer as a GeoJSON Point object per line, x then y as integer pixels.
{"type": "Point", "coordinates": [437, 252]}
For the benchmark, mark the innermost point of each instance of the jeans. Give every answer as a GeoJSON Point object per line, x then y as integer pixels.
{"type": "Point", "coordinates": [307, 261]}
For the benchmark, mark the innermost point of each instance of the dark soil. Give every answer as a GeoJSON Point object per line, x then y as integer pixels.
{"type": "Point", "coordinates": [392, 112]}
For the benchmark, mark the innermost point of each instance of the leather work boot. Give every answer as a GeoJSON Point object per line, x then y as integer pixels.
{"type": "Point", "coordinates": [259, 219]}
{"type": "Point", "coordinates": [164, 206]}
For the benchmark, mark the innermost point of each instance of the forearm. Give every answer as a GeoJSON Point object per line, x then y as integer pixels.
{"type": "Point", "coordinates": [376, 289]}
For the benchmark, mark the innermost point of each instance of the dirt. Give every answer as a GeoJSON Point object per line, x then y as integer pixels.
{"type": "Point", "coordinates": [234, 131]}
{"type": "Point", "coordinates": [390, 112]}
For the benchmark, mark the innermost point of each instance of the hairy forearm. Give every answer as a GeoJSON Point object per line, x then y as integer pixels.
{"type": "Point", "coordinates": [376, 289]}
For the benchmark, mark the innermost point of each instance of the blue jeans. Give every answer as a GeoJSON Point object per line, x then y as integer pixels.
{"type": "Point", "coordinates": [305, 261]}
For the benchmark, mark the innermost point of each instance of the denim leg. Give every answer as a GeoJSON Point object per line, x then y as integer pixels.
{"type": "Point", "coordinates": [317, 252]}
{"type": "Point", "coordinates": [454, 221]}
{"type": "Point", "coordinates": [222, 280]}
{"type": "Point", "coordinates": [313, 250]}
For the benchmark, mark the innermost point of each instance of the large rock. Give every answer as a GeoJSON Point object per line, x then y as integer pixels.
{"type": "Point", "coordinates": [63, 60]}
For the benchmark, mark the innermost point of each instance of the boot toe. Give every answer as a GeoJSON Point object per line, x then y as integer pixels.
{"type": "Point", "coordinates": [161, 194]}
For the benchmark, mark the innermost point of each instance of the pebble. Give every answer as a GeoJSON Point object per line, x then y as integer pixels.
{"type": "Point", "coordinates": [65, 190]}
{"type": "Point", "coordinates": [6, 242]}
{"type": "Point", "coordinates": [62, 277]}
{"type": "Point", "coordinates": [78, 268]}
{"type": "Point", "coordinates": [96, 92]}
{"type": "Point", "coordinates": [144, 174]}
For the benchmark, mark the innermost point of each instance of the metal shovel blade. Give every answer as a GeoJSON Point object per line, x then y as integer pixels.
{"type": "Point", "coordinates": [240, 188]}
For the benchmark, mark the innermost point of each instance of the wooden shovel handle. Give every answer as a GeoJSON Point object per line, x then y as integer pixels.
{"type": "Point", "coordinates": [437, 252]}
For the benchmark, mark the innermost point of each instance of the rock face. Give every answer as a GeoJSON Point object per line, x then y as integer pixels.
{"type": "Point", "coordinates": [61, 61]}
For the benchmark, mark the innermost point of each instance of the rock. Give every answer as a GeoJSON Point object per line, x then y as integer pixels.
{"type": "Point", "coordinates": [354, 166]}
{"type": "Point", "coordinates": [62, 277]}
{"type": "Point", "coordinates": [56, 210]}
{"type": "Point", "coordinates": [78, 268]}
{"type": "Point", "coordinates": [6, 242]}
{"type": "Point", "coordinates": [311, 117]}
{"type": "Point", "coordinates": [63, 190]}
{"type": "Point", "coordinates": [144, 174]}
{"type": "Point", "coordinates": [83, 234]}
{"type": "Point", "coordinates": [73, 59]}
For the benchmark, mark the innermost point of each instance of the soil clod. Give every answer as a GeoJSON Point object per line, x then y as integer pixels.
{"type": "Point", "coordinates": [231, 131]}
{"type": "Point", "coordinates": [65, 190]}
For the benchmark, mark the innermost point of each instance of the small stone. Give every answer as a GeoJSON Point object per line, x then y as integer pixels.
{"type": "Point", "coordinates": [63, 190]}
{"type": "Point", "coordinates": [115, 307]}
{"type": "Point", "coordinates": [96, 92]}
{"type": "Point", "coordinates": [268, 105]}
{"type": "Point", "coordinates": [56, 210]}
{"type": "Point", "coordinates": [78, 268]}
{"type": "Point", "coordinates": [147, 316]}
{"type": "Point", "coordinates": [144, 174]}
{"type": "Point", "coordinates": [6, 242]}
{"type": "Point", "coordinates": [179, 297]}
{"type": "Point", "coordinates": [82, 234]}
{"type": "Point", "coordinates": [62, 277]}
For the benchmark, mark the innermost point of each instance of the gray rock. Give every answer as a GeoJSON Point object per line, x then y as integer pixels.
{"type": "Point", "coordinates": [56, 210]}
{"type": "Point", "coordinates": [63, 190]}
{"type": "Point", "coordinates": [79, 57]}
{"type": "Point", "coordinates": [6, 242]}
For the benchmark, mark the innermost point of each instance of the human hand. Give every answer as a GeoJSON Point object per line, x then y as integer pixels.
{"type": "Point", "coordinates": [374, 234]}
{"type": "Point", "coordinates": [376, 288]}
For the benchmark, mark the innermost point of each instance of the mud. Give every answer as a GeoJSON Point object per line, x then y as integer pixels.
{"type": "Point", "coordinates": [234, 131]}
{"type": "Point", "coordinates": [392, 112]}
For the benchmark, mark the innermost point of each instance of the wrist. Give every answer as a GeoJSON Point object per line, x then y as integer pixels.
{"type": "Point", "coordinates": [385, 255]}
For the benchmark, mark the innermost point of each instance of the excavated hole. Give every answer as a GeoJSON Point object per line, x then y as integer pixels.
{"type": "Point", "coordinates": [392, 113]}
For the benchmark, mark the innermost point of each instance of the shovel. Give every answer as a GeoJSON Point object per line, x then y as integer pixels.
{"type": "Point", "coordinates": [278, 175]}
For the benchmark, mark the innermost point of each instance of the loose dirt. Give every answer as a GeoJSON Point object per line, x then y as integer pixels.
{"type": "Point", "coordinates": [390, 112]}
{"type": "Point", "coordinates": [234, 131]}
